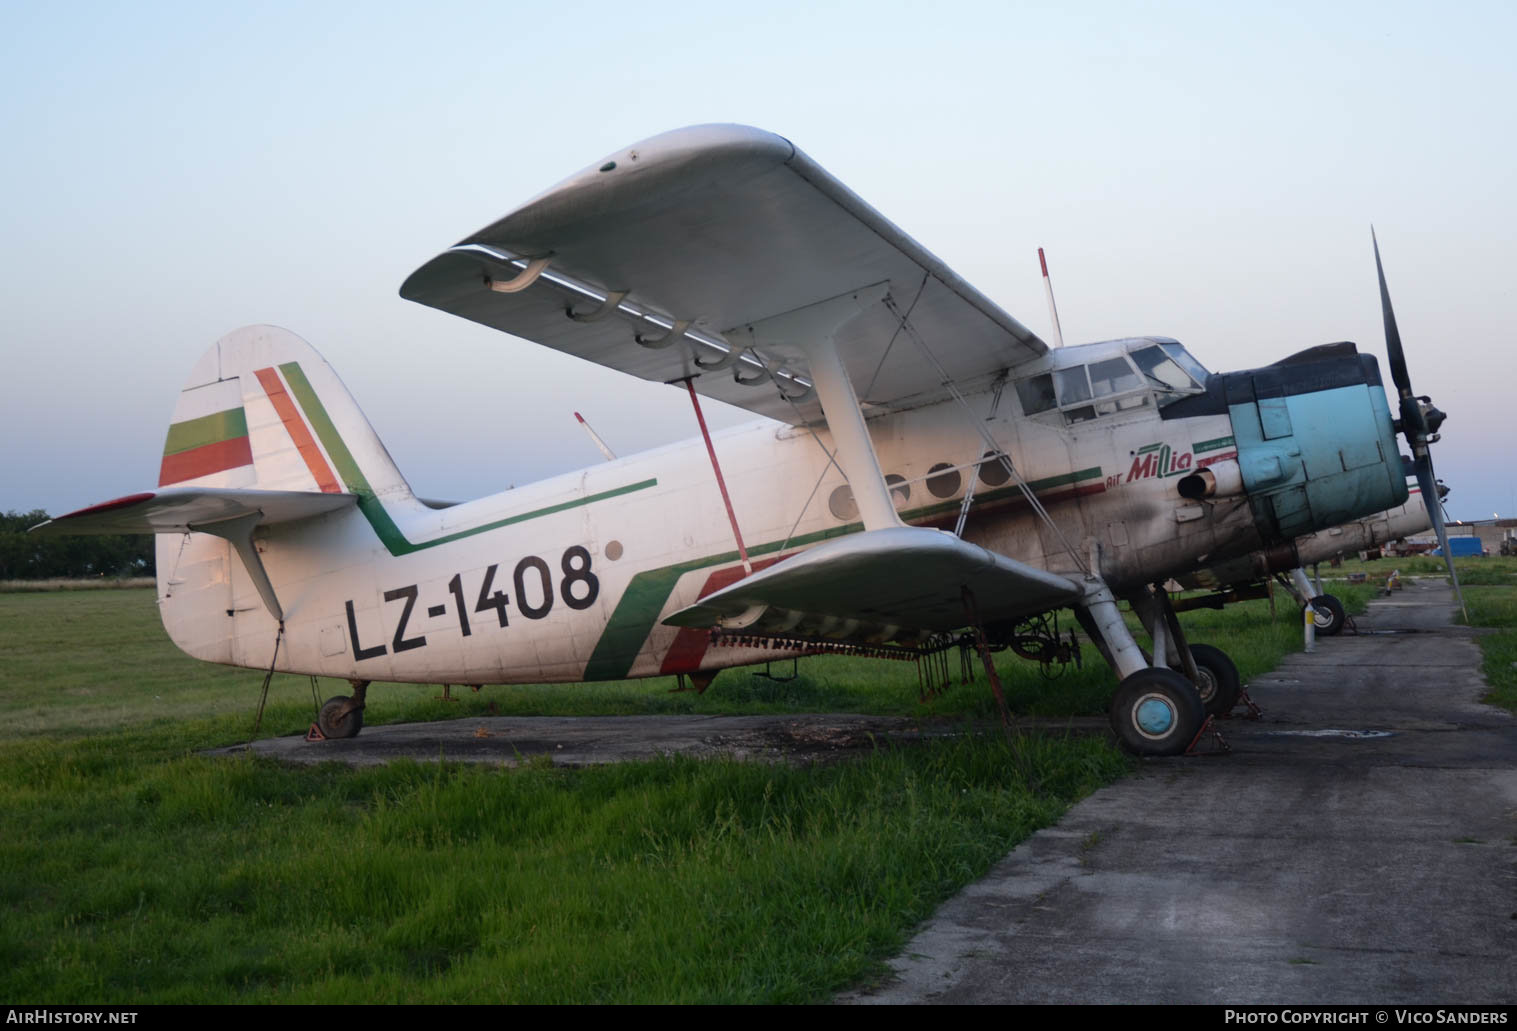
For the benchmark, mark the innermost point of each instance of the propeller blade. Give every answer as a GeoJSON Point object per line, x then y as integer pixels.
{"type": "Point", "coordinates": [1429, 484]}
{"type": "Point", "coordinates": [1393, 349]}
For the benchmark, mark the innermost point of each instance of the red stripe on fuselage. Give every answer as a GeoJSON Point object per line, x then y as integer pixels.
{"type": "Point", "coordinates": [295, 426]}
{"type": "Point", "coordinates": [203, 461]}
{"type": "Point", "coordinates": [690, 644]}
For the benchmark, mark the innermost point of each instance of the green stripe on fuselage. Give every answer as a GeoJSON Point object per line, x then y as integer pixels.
{"type": "Point", "coordinates": [373, 509]}
{"type": "Point", "coordinates": [647, 592]}
{"type": "Point", "coordinates": [208, 429]}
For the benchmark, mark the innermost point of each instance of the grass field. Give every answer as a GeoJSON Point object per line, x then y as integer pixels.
{"type": "Point", "coordinates": [133, 869]}
{"type": "Point", "coordinates": [1496, 607]}
{"type": "Point", "coordinates": [1495, 570]}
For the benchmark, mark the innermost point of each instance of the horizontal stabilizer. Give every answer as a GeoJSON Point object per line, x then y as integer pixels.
{"type": "Point", "coordinates": [890, 583]}
{"type": "Point", "coordinates": [183, 509]}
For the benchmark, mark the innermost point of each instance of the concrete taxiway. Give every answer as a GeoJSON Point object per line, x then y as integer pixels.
{"type": "Point", "coordinates": [585, 740]}
{"type": "Point", "coordinates": [1359, 845]}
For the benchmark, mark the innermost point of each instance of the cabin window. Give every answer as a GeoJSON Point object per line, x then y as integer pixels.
{"type": "Point", "coordinates": [1036, 394]}
{"type": "Point", "coordinates": [992, 470]}
{"type": "Point", "coordinates": [1122, 404]}
{"type": "Point", "coordinates": [1072, 385]}
{"type": "Point", "coordinates": [943, 480]}
{"type": "Point", "coordinates": [841, 504]}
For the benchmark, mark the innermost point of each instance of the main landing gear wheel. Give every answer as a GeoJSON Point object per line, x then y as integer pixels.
{"type": "Point", "coordinates": [1329, 615]}
{"type": "Point", "coordinates": [1219, 683]}
{"type": "Point", "coordinates": [1157, 712]}
{"type": "Point", "coordinates": [335, 723]}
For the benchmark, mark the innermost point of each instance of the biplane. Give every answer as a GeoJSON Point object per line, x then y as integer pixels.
{"type": "Point", "coordinates": [923, 463]}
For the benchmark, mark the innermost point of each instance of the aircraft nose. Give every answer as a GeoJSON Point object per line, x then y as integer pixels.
{"type": "Point", "coordinates": [1316, 442]}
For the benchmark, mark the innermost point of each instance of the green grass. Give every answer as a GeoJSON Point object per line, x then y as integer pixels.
{"type": "Point", "coordinates": [185, 880]}
{"type": "Point", "coordinates": [91, 583]}
{"type": "Point", "coordinates": [1497, 607]}
{"type": "Point", "coordinates": [134, 869]}
{"type": "Point", "coordinates": [1493, 570]}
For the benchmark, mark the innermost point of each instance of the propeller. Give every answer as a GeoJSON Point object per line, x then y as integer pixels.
{"type": "Point", "coordinates": [1419, 423]}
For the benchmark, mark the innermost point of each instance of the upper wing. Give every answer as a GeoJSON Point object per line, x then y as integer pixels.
{"type": "Point", "coordinates": [885, 584]}
{"type": "Point", "coordinates": [716, 230]}
{"type": "Point", "coordinates": [182, 509]}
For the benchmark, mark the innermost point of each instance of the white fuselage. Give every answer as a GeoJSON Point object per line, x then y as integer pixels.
{"type": "Point", "coordinates": [584, 566]}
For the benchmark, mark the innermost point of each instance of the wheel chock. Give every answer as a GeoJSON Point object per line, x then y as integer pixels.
{"type": "Point", "coordinates": [1210, 732]}
{"type": "Point", "coordinates": [1251, 708]}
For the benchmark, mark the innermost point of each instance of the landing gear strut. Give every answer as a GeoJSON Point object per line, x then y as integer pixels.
{"type": "Point", "coordinates": [342, 715]}
{"type": "Point", "coordinates": [1156, 710]}
{"type": "Point", "coordinates": [1217, 679]}
{"type": "Point", "coordinates": [1328, 616]}
{"type": "Point", "coordinates": [1209, 668]}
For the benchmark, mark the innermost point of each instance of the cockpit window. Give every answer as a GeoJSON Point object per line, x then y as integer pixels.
{"type": "Point", "coordinates": [1183, 357]}
{"type": "Point", "coordinates": [1153, 374]}
{"type": "Point", "coordinates": [1113, 376]}
{"type": "Point", "coordinates": [1162, 369]}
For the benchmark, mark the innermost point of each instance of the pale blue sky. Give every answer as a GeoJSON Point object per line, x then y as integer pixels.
{"type": "Point", "coordinates": [1205, 171]}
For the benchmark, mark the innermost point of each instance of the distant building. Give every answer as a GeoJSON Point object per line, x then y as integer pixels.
{"type": "Point", "coordinates": [1493, 534]}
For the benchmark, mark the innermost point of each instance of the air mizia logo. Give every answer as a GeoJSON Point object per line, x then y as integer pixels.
{"type": "Point", "coordinates": [1157, 461]}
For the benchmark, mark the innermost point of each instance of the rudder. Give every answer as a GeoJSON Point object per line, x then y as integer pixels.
{"type": "Point", "coordinates": [263, 410]}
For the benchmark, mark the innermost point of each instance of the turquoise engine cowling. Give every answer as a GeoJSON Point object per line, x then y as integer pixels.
{"type": "Point", "coordinates": [1316, 441]}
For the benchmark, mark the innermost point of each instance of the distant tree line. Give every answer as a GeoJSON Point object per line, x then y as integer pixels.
{"type": "Point", "coordinates": [33, 556]}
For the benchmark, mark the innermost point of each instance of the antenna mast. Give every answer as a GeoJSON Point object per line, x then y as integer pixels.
{"type": "Point", "coordinates": [1053, 311]}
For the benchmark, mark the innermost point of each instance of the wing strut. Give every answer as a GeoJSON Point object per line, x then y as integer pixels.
{"type": "Point", "coordinates": [813, 329]}
{"type": "Point", "coordinates": [996, 449]}
{"type": "Point", "coordinates": [721, 483]}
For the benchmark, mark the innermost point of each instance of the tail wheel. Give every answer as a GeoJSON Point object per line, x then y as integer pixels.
{"type": "Point", "coordinates": [1330, 616]}
{"type": "Point", "coordinates": [1157, 712]}
{"type": "Point", "coordinates": [1219, 683]}
{"type": "Point", "coordinates": [335, 723]}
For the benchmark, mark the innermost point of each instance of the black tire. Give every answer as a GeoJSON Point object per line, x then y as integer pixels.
{"type": "Point", "coordinates": [1219, 685]}
{"type": "Point", "coordinates": [1330, 616]}
{"type": "Point", "coordinates": [1157, 712]}
{"type": "Point", "coordinates": [336, 725]}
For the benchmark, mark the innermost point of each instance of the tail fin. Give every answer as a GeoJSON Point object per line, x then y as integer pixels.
{"type": "Point", "coordinates": [263, 410]}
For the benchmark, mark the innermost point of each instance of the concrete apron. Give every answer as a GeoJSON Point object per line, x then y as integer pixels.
{"type": "Point", "coordinates": [1302, 868]}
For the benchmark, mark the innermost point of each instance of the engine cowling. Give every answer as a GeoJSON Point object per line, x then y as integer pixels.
{"type": "Point", "coordinates": [1316, 441]}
